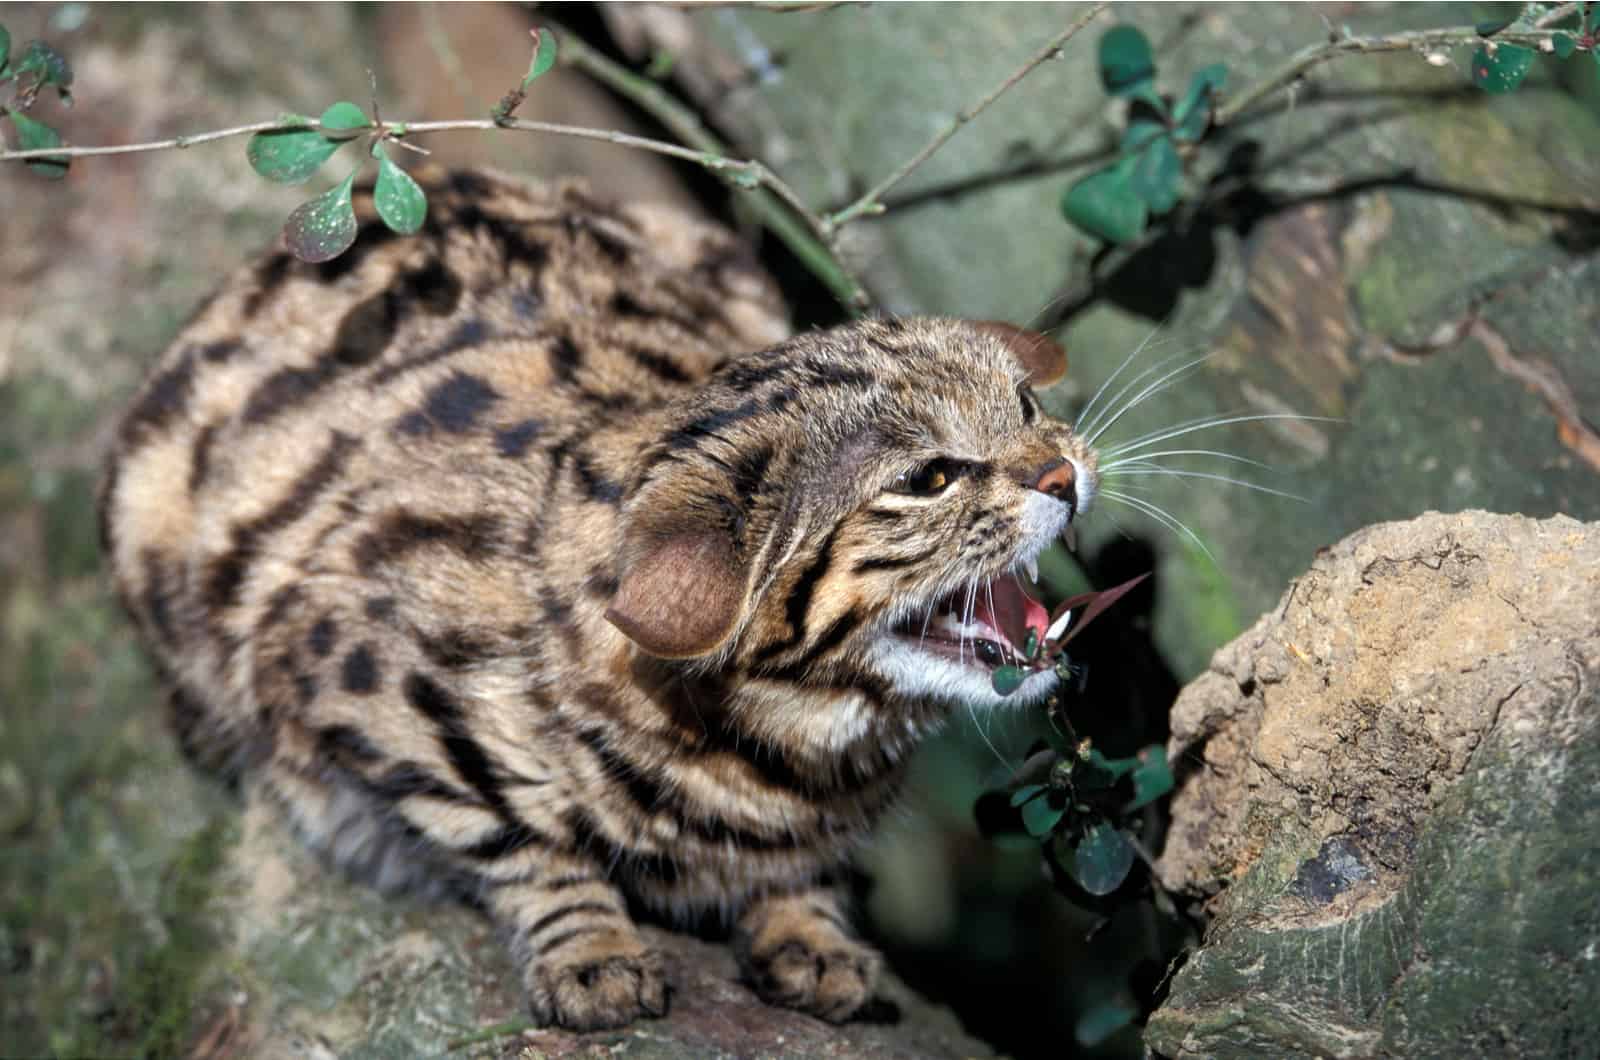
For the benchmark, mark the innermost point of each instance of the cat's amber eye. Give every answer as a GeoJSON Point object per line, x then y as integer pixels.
{"type": "Point", "coordinates": [926, 481]}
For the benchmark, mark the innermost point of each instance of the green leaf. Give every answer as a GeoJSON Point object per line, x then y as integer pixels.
{"type": "Point", "coordinates": [1140, 132]}
{"type": "Point", "coordinates": [1026, 792]}
{"type": "Point", "coordinates": [1126, 63]}
{"type": "Point", "coordinates": [1504, 70]}
{"type": "Point", "coordinates": [1105, 205]}
{"type": "Point", "coordinates": [289, 156]}
{"type": "Point", "coordinates": [325, 227]}
{"type": "Point", "coordinates": [1102, 859]}
{"type": "Point", "coordinates": [1040, 816]}
{"type": "Point", "coordinates": [343, 120]}
{"type": "Point", "coordinates": [1564, 45]}
{"type": "Point", "coordinates": [49, 65]}
{"type": "Point", "coordinates": [399, 199]}
{"type": "Point", "coordinates": [1152, 779]}
{"type": "Point", "coordinates": [1101, 1021]}
{"type": "Point", "coordinates": [34, 136]}
{"type": "Point", "coordinates": [1193, 112]}
{"type": "Point", "coordinates": [5, 48]}
{"type": "Point", "coordinates": [544, 56]}
{"type": "Point", "coordinates": [1007, 679]}
{"type": "Point", "coordinates": [1158, 176]}
{"type": "Point", "coordinates": [1492, 26]}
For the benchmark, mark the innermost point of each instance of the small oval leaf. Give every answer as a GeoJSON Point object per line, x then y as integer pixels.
{"type": "Point", "coordinates": [1564, 45]}
{"type": "Point", "coordinates": [1102, 859]}
{"type": "Point", "coordinates": [1040, 816]}
{"type": "Point", "coordinates": [399, 199]}
{"type": "Point", "coordinates": [544, 56]}
{"type": "Point", "coordinates": [1007, 679]}
{"type": "Point", "coordinates": [1504, 70]}
{"type": "Point", "coordinates": [289, 156]}
{"type": "Point", "coordinates": [1152, 779]}
{"type": "Point", "coordinates": [343, 120]}
{"type": "Point", "coordinates": [1192, 113]}
{"type": "Point", "coordinates": [49, 65]}
{"type": "Point", "coordinates": [1126, 62]}
{"type": "Point", "coordinates": [1158, 176]}
{"type": "Point", "coordinates": [34, 136]}
{"type": "Point", "coordinates": [1026, 792]}
{"type": "Point", "coordinates": [323, 228]}
{"type": "Point", "coordinates": [1105, 205]}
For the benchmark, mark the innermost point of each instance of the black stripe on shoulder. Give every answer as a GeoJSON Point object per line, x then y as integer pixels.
{"type": "Point", "coordinates": [589, 840]}
{"type": "Point", "coordinates": [401, 531]}
{"type": "Point", "coordinates": [505, 841]}
{"type": "Point", "coordinates": [657, 364]}
{"type": "Point", "coordinates": [164, 399]}
{"type": "Point", "coordinates": [226, 572]}
{"type": "Point", "coordinates": [472, 762]}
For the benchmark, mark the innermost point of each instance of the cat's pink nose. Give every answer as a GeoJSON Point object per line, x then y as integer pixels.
{"type": "Point", "coordinates": [1057, 479]}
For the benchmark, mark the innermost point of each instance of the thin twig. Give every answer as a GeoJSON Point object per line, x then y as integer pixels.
{"type": "Point", "coordinates": [161, 145]}
{"type": "Point", "coordinates": [490, 1033]}
{"type": "Point", "coordinates": [778, 206]}
{"type": "Point", "coordinates": [1292, 68]}
{"type": "Point", "coordinates": [869, 204]}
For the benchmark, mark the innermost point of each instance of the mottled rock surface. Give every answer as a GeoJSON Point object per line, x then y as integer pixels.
{"type": "Point", "coordinates": [1393, 791]}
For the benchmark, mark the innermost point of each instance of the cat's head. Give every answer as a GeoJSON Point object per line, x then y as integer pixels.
{"type": "Point", "coordinates": [857, 508]}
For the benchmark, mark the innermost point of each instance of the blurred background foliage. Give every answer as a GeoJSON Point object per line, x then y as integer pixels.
{"type": "Point", "coordinates": [1386, 245]}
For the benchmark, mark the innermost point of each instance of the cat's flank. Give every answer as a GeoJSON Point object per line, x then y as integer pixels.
{"type": "Point", "coordinates": [528, 558]}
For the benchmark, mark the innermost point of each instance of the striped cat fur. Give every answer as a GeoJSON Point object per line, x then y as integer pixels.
{"type": "Point", "coordinates": [531, 558]}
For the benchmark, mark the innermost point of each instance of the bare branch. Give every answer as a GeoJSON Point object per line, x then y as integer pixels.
{"type": "Point", "coordinates": [1312, 55]}
{"type": "Point", "coordinates": [869, 204]}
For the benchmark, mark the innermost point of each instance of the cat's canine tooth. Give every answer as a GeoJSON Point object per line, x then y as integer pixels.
{"type": "Point", "coordinates": [1032, 567]}
{"type": "Point", "coordinates": [1058, 627]}
{"type": "Point", "coordinates": [1069, 537]}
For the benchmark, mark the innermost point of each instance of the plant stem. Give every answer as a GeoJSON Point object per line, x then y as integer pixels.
{"type": "Point", "coordinates": [778, 206]}
{"type": "Point", "coordinates": [869, 204]}
{"type": "Point", "coordinates": [1292, 68]}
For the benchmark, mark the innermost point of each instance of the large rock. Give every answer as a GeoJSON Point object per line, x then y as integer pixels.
{"type": "Point", "coordinates": [1393, 793]}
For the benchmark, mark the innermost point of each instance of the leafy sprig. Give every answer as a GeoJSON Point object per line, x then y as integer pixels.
{"type": "Point", "coordinates": [35, 68]}
{"type": "Point", "coordinates": [1117, 202]}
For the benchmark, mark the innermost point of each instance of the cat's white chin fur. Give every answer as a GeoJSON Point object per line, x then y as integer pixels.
{"type": "Point", "coordinates": [919, 674]}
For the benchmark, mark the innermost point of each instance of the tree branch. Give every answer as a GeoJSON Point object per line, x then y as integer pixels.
{"type": "Point", "coordinates": [869, 204]}
{"type": "Point", "coordinates": [777, 205]}
{"type": "Point", "coordinates": [1312, 55]}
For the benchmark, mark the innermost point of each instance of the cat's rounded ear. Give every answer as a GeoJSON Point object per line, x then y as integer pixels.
{"type": "Point", "coordinates": [1041, 355]}
{"type": "Point", "coordinates": [681, 593]}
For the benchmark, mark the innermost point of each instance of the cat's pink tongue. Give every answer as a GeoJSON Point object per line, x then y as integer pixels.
{"type": "Point", "coordinates": [1013, 612]}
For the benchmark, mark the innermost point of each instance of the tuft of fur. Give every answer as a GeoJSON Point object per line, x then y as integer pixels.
{"type": "Point", "coordinates": [531, 555]}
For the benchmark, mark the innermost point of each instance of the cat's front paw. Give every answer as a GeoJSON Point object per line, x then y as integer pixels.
{"type": "Point", "coordinates": [600, 981]}
{"type": "Point", "coordinates": [808, 963]}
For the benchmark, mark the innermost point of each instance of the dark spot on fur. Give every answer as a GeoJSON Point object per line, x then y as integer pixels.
{"type": "Point", "coordinates": [366, 331]}
{"type": "Point", "coordinates": [346, 744]}
{"type": "Point", "coordinates": [565, 358]}
{"type": "Point", "coordinates": [468, 334]}
{"type": "Point", "coordinates": [323, 637]}
{"type": "Point", "coordinates": [435, 287]}
{"type": "Point", "coordinates": [222, 350]}
{"type": "Point", "coordinates": [453, 405]}
{"type": "Point", "coordinates": [200, 456]}
{"type": "Point", "coordinates": [380, 608]}
{"type": "Point", "coordinates": [269, 276]}
{"type": "Point", "coordinates": [512, 442]}
{"type": "Point", "coordinates": [359, 672]}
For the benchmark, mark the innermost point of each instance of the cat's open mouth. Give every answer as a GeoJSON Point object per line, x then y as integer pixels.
{"type": "Point", "coordinates": [985, 625]}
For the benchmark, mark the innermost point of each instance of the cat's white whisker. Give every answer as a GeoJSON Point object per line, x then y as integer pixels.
{"type": "Point", "coordinates": [1242, 483]}
{"type": "Point", "coordinates": [1151, 457]}
{"type": "Point", "coordinates": [1161, 516]}
{"type": "Point", "coordinates": [1148, 392]}
{"type": "Point", "coordinates": [1130, 385]}
{"type": "Point", "coordinates": [1078, 424]}
{"type": "Point", "coordinates": [1210, 423]}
